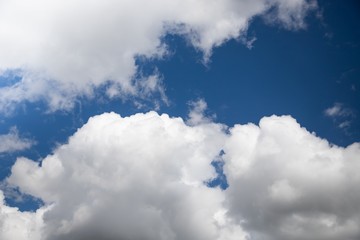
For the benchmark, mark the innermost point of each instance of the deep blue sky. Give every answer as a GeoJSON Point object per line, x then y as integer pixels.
{"type": "Point", "coordinates": [298, 73]}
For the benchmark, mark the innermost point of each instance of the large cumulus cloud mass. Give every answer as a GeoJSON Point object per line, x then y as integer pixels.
{"type": "Point", "coordinates": [145, 177]}
{"type": "Point", "coordinates": [58, 51]}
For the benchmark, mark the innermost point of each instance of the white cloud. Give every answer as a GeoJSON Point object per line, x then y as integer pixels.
{"type": "Point", "coordinates": [286, 183]}
{"type": "Point", "coordinates": [290, 13]}
{"type": "Point", "coordinates": [197, 112]}
{"type": "Point", "coordinates": [341, 115]}
{"type": "Point", "coordinates": [143, 177]}
{"type": "Point", "coordinates": [140, 177]}
{"type": "Point", "coordinates": [66, 49]}
{"type": "Point", "coordinates": [16, 225]}
{"type": "Point", "coordinates": [12, 142]}
{"type": "Point", "coordinates": [338, 110]}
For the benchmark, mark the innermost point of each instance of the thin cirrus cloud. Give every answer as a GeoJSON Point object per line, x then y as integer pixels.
{"type": "Point", "coordinates": [63, 50]}
{"type": "Point", "coordinates": [144, 177]}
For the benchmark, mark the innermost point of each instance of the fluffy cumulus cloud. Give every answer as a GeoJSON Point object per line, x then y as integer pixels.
{"type": "Point", "coordinates": [12, 142]}
{"type": "Point", "coordinates": [144, 177]}
{"type": "Point", "coordinates": [62, 50]}
{"type": "Point", "coordinates": [286, 183]}
{"type": "Point", "coordinates": [140, 177]}
{"type": "Point", "coordinates": [18, 225]}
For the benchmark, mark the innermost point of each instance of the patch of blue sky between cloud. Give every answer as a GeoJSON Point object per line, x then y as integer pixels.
{"type": "Point", "coordinates": [9, 77]}
{"type": "Point", "coordinates": [68, 51]}
{"type": "Point", "coordinates": [13, 197]}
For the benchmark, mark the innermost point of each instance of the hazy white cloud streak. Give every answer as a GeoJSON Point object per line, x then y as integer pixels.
{"type": "Point", "coordinates": [12, 142]}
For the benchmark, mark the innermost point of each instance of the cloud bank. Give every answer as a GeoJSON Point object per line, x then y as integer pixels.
{"type": "Point", "coordinates": [64, 50]}
{"type": "Point", "coordinates": [144, 177]}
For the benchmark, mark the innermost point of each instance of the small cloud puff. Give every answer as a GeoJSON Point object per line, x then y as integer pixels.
{"type": "Point", "coordinates": [341, 115]}
{"type": "Point", "coordinates": [338, 110]}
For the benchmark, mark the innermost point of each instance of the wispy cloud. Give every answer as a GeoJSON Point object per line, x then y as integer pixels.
{"type": "Point", "coordinates": [197, 113]}
{"type": "Point", "coordinates": [12, 142]}
{"type": "Point", "coordinates": [341, 115]}
{"type": "Point", "coordinates": [338, 110]}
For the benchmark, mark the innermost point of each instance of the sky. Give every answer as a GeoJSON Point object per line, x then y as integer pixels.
{"type": "Point", "coordinates": [178, 120]}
